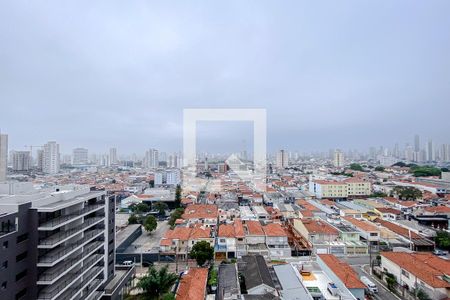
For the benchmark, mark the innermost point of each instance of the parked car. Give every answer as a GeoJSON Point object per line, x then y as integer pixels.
{"type": "Point", "coordinates": [369, 284]}
{"type": "Point", "coordinates": [439, 252]}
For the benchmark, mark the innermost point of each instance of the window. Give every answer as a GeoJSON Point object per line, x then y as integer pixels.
{"type": "Point", "coordinates": [21, 275]}
{"type": "Point", "coordinates": [21, 256]}
{"type": "Point", "coordinates": [5, 264]}
{"type": "Point", "coordinates": [4, 285]}
{"type": "Point", "coordinates": [373, 234]}
{"type": "Point", "coordinates": [5, 244]}
{"type": "Point", "coordinates": [222, 240]}
{"type": "Point", "coordinates": [20, 294]}
{"type": "Point", "coordinates": [404, 273]}
{"type": "Point", "coordinates": [22, 237]}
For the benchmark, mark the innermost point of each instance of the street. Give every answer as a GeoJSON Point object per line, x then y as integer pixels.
{"type": "Point", "coordinates": [146, 241]}
{"type": "Point", "coordinates": [361, 265]}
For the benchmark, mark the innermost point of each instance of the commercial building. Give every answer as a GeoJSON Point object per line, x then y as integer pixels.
{"type": "Point", "coordinates": [113, 156]}
{"type": "Point", "coordinates": [151, 159]}
{"type": "Point", "coordinates": [56, 243]}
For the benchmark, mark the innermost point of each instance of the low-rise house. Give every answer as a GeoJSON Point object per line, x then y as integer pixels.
{"type": "Point", "coordinates": [260, 213]}
{"type": "Point", "coordinates": [388, 213]}
{"type": "Point", "coordinates": [342, 274]}
{"type": "Point", "coordinates": [228, 211]}
{"type": "Point", "coordinates": [407, 207]}
{"type": "Point", "coordinates": [368, 232]}
{"type": "Point", "coordinates": [423, 271]}
{"type": "Point", "coordinates": [255, 238]}
{"type": "Point", "coordinates": [180, 240]}
{"type": "Point", "coordinates": [418, 242]}
{"type": "Point", "coordinates": [323, 236]}
{"type": "Point", "coordinates": [230, 241]}
{"type": "Point", "coordinates": [277, 241]}
{"type": "Point", "coordinates": [350, 237]}
{"type": "Point", "coordinates": [193, 284]}
{"type": "Point", "coordinates": [256, 275]}
{"type": "Point", "coordinates": [206, 214]}
{"type": "Point", "coordinates": [228, 287]}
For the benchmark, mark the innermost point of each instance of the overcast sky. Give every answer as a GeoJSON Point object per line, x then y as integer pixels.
{"type": "Point", "coordinates": [347, 74]}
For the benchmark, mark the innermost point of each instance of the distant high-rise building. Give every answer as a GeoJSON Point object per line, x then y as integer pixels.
{"type": "Point", "coordinates": [113, 156]}
{"type": "Point", "coordinates": [339, 161]}
{"type": "Point", "coordinates": [21, 161]}
{"type": "Point", "coordinates": [282, 159]}
{"type": "Point", "coordinates": [152, 159]}
{"type": "Point", "coordinates": [417, 143]}
{"type": "Point", "coordinates": [430, 151]}
{"type": "Point", "coordinates": [80, 156]}
{"type": "Point", "coordinates": [51, 158]}
{"type": "Point", "coordinates": [105, 160]}
{"type": "Point", "coordinates": [3, 156]}
{"type": "Point", "coordinates": [40, 160]}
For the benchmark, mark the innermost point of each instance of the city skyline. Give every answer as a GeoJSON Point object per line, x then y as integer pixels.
{"type": "Point", "coordinates": [321, 79]}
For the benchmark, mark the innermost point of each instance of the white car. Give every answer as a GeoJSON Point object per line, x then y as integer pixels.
{"type": "Point", "coordinates": [369, 284]}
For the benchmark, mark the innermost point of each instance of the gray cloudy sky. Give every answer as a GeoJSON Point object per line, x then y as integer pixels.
{"type": "Point", "coordinates": [344, 74]}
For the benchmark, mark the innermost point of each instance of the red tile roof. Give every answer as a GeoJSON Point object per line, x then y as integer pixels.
{"type": "Point", "coordinates": [398, 229]}
{"type": "Point", "coordinates": [254, 228]}
{"type": "Point", "coordinates": [274, 229]}
{"type": "Point", "coordinates": [343, 271]}
{"type": "Point", "coordinates": [319, 226]}
{"type": "Point", "coordinates": [425, 266]}
{"type": "Point", "coordinates": [193, 285]}
{"type": "Point", "coordinates": [200, 211]}
{"type": "Point", "coordinates": [362, 225]}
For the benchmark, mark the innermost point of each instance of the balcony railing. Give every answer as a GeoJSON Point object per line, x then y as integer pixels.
{"type": "Point", "coordinates": [89, 277]}
{"type": "Point", "coordinates": [62, 220]}
{"type": "Point", "coordinates": [59, 237]}
{"type": "Point", "coordinates": [63, 267]}
{"type": "Point", "coordinates": [52, 291]}
{"type": "Point", "coordinates": [54, 256]}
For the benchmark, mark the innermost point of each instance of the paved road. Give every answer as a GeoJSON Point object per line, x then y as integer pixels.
{"type": "Point", "coordinates": [361, 265]}
{"type": "Point", "coordinates": [148, 241]}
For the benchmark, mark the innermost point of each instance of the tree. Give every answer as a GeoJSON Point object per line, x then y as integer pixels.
{"type": "Point", "coordinates": [133, 219]}
{"type": "Point", "coordinates": [356, 167]}
{"type": "Point", "coordinates": [379, 169]}
{"type": "Point", "coordinates": [161, 208]}
{"type": "Point", "coordinates": [378, 195]}
{"type": "Point", "coordinates": [422, 171]}
{"type": "Point", "coordinates": [168, 296]}
{"type": "Point", "coordinates": [443, 239]}
{"type": "Point", "coordinates": [178, 196]}
{"type": "Point", "coordinates": [407, 193]}
{"type": "Point", "coordinates": [177, 213]}
{"type": "Point", "coordinates": [150, 223]}
{"type": "Point", "coordinates": [157, 282]}
{"type": "Point", "coordinates": [202, 252]}
{"type": "Point", "coordinates": [422, 295]}
{"type": "Point", "coordinates": [139, 208]}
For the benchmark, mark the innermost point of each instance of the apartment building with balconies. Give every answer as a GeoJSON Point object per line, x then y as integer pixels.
{"type": "Point", "coordinates": [57, 243]}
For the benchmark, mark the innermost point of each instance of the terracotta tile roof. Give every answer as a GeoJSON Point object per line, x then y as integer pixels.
{"type": "Point", "coordinates": [200, 233]}
{"type": "Point", "coordinates": [193, 285]}
{"type": "Point", "coordinates": [425, 266]}
{"type": "Point", "coordinates": [343, 271]}
{"type": "Point", "coordinates": [319, 226]}
{"type": "Point", "coordinates": [235, 230]}
{"type": "Point", "coordinates": [398, 229]}
{"type": "Point", "coordinates": [200, 211]}
{"type": "Point", "coordinates": [239, 228]}
{"type": "Point", "coordinates": [226, 231]}
{"type": "Point", "coordinates": [254, 228]}
{"type": "Point", "coordinates": [438, 209]}
{"type": "Point", "coordinates": [362, 225]}
{"type": "Point", "coordinates": [389, 210]}
{"type": "Point", "coordinates": [274, 229]}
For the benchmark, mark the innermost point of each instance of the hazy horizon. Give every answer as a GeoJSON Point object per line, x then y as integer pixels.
{"type": "Point", "coordinates": [347, 74]}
